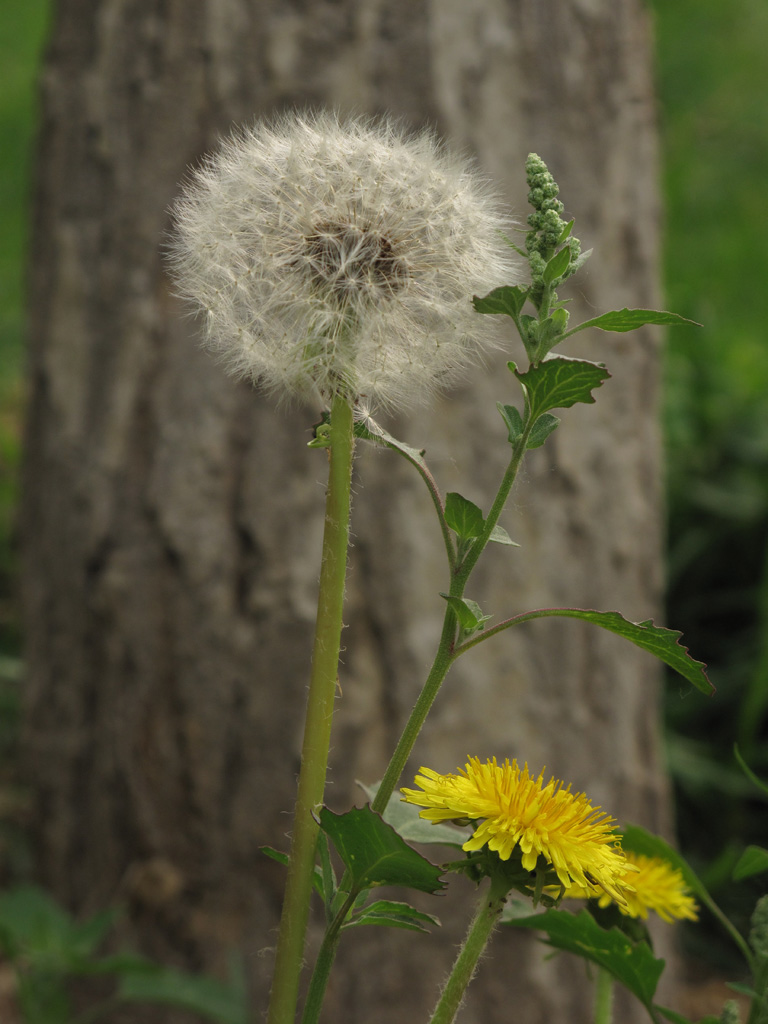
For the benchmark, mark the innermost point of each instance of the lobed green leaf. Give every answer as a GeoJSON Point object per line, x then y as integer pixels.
{"type": "Point", "coordinates": [374, 854]}
{"type": "Point", "coordinates": [633, 964]}
{"type": "Point", "coordinates": [657, 640]}
{"type": "Point", "coordinates": [559, 382]}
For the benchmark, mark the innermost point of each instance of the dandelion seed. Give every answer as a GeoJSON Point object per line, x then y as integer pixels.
{"type": "Point", "coordinates": [337, 256]}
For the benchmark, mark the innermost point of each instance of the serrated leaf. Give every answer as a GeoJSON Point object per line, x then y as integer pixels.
{"type": "Point", "coordinates": [541, 429]}
{"type": "Point", "coordinates": [374, 854]}
{"type": "Point", "coordinates": [623, 320]}
{"type": "Point", "coordinates": [500, 536]}
{"type": "Point", "coordinates": [513, 420]}
{"type": "Point", "coordinates": [633, 964]}
{"type": "Point", "coordinates": [463, 516]}
{"type": "Point", "coordinates": [508, 300]}
{"type": "Point", "coordinates": [559, 382]}
{"type": "Point", "coordinates": [406, 820]}
{"type": "Point", "coordinates": [656, 640]}
{"type": "Point", "coordinates": [753, 861]}
{"type": "Point", "coordinates": [393, 914]}
{"type": "Point", "coordinates": [284, 859]}
{"type": "Point", "coordinates": [558, 265]}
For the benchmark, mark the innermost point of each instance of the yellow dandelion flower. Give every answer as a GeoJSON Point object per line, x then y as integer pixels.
{"type": "Point", "coordinates": [514, 809]}
{"type": "Point", "coordinates": [656, 885]}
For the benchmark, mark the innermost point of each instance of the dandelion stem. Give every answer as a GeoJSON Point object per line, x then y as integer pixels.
{"type": "Point", "coordinates": [317, 728]}
{"type": "Point", "coordinates": [603, 997]}
{"type": "Point", "coordinates": [488, 913]}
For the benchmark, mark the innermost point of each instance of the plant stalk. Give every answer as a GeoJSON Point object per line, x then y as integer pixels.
{"type": "Point", "coordinates": [446, 654]}
{"type": "Point", "coordinates": [325, 957]}
{"type": "Point", "coordinates": [317, 727]}
{"type": "Point", "coordinates": [487, 915]}
{"type": "Point", "coordinates": [603, 997]}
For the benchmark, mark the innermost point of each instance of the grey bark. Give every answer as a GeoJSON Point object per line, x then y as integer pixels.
{"type": "Point", "coordinates": [172, 518]}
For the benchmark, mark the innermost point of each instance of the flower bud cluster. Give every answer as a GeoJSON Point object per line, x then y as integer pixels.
{"type": "Point", "coordinates": [334, 256]}
{"type": "Point", "coordinates": [547, 225]}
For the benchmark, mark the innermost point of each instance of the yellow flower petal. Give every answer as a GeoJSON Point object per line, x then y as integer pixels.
{"type": "Point", "coordinates": [514, 809]}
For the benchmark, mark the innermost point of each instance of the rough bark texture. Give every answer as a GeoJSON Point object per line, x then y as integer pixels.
{"type": "Point", "coordinates": [172, 518]}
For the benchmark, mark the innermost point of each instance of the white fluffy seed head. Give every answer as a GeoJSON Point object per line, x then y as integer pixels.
{"type": "Point", "coordinates": [340, 255]}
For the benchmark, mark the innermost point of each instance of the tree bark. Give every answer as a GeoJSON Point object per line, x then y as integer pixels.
{"type": "Point", "coordinates": [171, 518]}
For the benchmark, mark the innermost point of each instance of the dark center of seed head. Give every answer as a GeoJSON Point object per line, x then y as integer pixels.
{"type": "Point", "coordinates": [345, 258]}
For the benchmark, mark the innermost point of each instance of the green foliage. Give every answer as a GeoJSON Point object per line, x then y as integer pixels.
{"type": "Point", "coordinates": [374, 854]}
{"type": "Point", "coordinates": [558, 383]}
{"type": "Point", "coordinates": [712, 76]}
{"type": "Point", "coordinates": [631, 963]}
{"type": "Point", "coordinates": [49, 949]}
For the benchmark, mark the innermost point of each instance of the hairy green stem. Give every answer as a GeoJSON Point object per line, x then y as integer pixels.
{"type": "Point", "coordinates": [488, 913]}
{"type": "Point", "coordinates": [325, 957]}
{"type": "Point", "coordinates": [317, 727]}
{"type": "Point", "coordinates": [603, 997]}
{"type": "Point", "coordinates": [446, 649]}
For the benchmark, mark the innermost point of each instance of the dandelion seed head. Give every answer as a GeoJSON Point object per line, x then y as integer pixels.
{"type": "Point", "coordinates": [331, 254]}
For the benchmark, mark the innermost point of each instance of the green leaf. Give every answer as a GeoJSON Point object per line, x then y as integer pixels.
{"type": "Point", "coordinates": [406, 820]}
{"type": "Point", "coordinates": [469, 613]}
{"type": "Point", "coordinates": [633, 964]}
{"type": "Point", "coordinates": [623, 320]}
{"type": "Point", "coordinates": [541, 429]}
{"type": "Point", "coordinates": [500, 536]}
{"type": "Point", "coordinates": [283, 858]}
{"type": "Point", "coordinates": [754, 779]}
{"type": "Point", "coordinates": [656, 640]}
{"type": "Point", "coordinates": [512, 418]}
{"type": "Point", "coordinates": [558, 265]}
{"type": "Point", "coordinates": [327, 874]}
{"type": "Point", "coordinates": [558, 382]}
{"type": "Point", "coordinates": [508, 300]}
{"type": "Point", "coordinates": [394, 915]}
{"type": "Point", "coordinates": [565, 232]}
{"type": "Point", "coordinates": [216, 1000]}
{"type": "Point", "coordinates": [463, 516]}
{"type": "Point", "coordinates": [34, 924]}
{"type": "Point", "coordinates": [753, 861]}
{"type": "Point", "coordinates": [374, 854]}
{"type": "Point", "coordinates": [678, 1018]}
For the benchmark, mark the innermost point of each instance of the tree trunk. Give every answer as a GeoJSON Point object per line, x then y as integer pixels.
{"type": "Point", "coordinates": [172, 518]}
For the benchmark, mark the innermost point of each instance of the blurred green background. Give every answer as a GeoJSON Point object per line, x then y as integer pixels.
{"type": "Point", "coordinates": [713, 81]}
